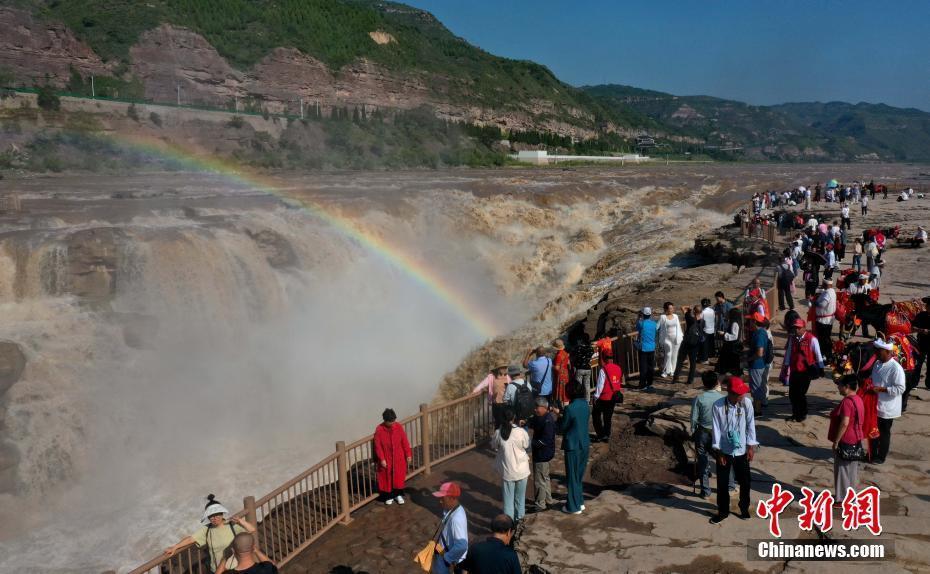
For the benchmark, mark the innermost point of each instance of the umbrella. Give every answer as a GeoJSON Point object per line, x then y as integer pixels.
{"type": "Point", "coordinates": [815, 258]}
{"type": "Point", "coordinates": [833, 183]}
{"type": "Point", "coordinates": [802, 189]}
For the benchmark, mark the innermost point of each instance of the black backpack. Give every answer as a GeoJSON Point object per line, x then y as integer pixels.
{"type": "Point", "coordinates": [769, 351]}
{"type": "Point", "coordinates": [581, 356]}
{"type": "Point", "coordinates": [523, 402]}
{"type": "Point", "coordinates": [693, 334]}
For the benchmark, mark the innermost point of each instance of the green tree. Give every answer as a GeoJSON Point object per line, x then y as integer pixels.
{"type": "Point", "coordinates": [47, 98]}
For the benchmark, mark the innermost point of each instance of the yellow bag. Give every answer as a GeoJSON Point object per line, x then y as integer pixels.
{"type": "Point", "coordinates": [425, 557]}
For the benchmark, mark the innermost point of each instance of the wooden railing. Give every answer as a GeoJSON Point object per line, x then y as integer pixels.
{"type": "Point", "coordinates": [766, 232]}
{"type": "Point", "coordinates": [291, 517]}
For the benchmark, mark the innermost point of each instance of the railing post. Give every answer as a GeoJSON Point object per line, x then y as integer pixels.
{"type": "Point", "coordinates": [342, 468]}
{"type": "Point", "coordinates": [425, 438]}
{"type": "Point", "coordinates": [251, 515]}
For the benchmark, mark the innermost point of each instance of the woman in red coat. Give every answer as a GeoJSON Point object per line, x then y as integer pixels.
{"type": "Point", "coordinates": [392, 449]}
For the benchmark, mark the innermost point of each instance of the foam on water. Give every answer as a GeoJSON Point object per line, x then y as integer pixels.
{"type": "Point", "coordinates": [237, 346]}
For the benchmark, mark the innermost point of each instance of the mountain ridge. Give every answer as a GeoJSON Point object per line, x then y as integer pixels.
{"type": "Point", "coordinates": [374, 55]}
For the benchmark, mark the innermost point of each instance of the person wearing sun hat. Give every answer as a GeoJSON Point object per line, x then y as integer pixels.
{"type": "Point", "coordinates": [495, 383]}
{"type": "Point", "coordinates": [217, 533]}
{"type": "Point", "coordinates": [453, 537]}
{"type": "Point", "coordinates": [888, 382]}
{"type": "Point", "coordinates": [734, 442]}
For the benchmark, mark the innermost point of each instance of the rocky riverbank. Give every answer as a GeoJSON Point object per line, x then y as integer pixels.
{"type": "Point", "coordinates": [643, 519]}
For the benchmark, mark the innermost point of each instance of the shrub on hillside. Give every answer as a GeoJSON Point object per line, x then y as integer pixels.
{"type": "Point", "coordinates": [48, 99]}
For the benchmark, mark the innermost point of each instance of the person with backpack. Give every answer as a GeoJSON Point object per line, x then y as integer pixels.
{"type": "Point", "coordinates": [690, 345]}
{"type": "Point", "coordinates": [496, 384]}
{"type": "Point", "coordinates": [803, 363]}
{"type": "Point", "coordinates": [702, 427]}
{"type": "Point", "coordinates": [519, 396]}
{"type": "Point", "coordinates": [731, 351]}
{"type": "Point", "coordinates": [580, 356]}
{"type": "Point", "coordinates": [785, 283]}
{"type": "Point", "coordinates": [760, 356]}
{"type": "Point", "coordinates": [511, 444]}
{"type": "Point", "coordinates": [543, 425]}
{"type": "Point", "coordinates": [217, 533]}
{"type": "Point", "coordinates": [608, 393]}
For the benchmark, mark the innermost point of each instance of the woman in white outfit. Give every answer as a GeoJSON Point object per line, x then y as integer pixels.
{"type": "Point", "coordinates": [670, 336]}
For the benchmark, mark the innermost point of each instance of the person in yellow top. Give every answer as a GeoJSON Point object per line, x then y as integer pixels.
{"type": "Point", "coordinates": [216, 534]}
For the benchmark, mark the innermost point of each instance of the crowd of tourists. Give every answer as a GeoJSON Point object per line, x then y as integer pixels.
{"type": "Point", "coordinates": [557, 394]}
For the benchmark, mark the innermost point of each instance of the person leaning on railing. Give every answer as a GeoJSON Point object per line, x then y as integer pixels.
{"type": "Point", "coordinates": [217, 533]}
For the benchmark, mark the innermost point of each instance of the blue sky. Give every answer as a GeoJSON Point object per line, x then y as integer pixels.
{"type": "Point", "coordinates": [757, 51]}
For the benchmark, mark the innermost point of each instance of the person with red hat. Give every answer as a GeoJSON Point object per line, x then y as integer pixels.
{"type": "Point", "coordinates": [803, 363]}
{"type": "Point", "coordinates": [453, 536]}
{"type": "Point", "coordinates": [759, 358]}
{"type": "Point", "coordinates": [734, 445]}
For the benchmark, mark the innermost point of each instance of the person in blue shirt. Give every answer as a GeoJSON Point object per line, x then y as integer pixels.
{"type": "Point", "coordinates": [453, 537]}
{"type": "Point", "coordinates": [648, 333]}
{"type": "Point", "coordinates": [758, 368]}
{"type": "Point", "coordinates": [734, 443]}
{"type": "Point", "coordinates": [539, 365]}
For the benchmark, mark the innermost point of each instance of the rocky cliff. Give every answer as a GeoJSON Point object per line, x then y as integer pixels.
{"type": "Point", "coordinates": [31, 50]}
{"type": "Point", "coordinates": [174, 63]}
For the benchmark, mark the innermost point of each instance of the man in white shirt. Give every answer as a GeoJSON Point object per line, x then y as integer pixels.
{"type": "Point", "coordinates": [865, 205]}
{"type": "Point", "coordinates": [844, 217]}
{"type": "Point", "coordinates": [812, 223]}
{"type": "Point", "coordinates": [734, 443]}
{"type": "Point", "coordinates": [831, 265]}
{"type": "Point", "coordinates": [825, 307]}
{"type": "Point", "coordinates": [807, 199]}
{"type": "Point", "coordinates": [888, 382]}
{"type": "Point", "coordinates": [708, 320]}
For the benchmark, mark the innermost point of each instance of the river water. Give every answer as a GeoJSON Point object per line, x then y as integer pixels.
{"type": "Point", "coordinates": [193, 333]}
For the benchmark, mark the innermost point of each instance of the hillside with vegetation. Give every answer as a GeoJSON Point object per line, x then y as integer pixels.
{"type": "Point", "coordinates": [333, 31]}
{"type": "Point", "coordinates": [833, 131]}
{"type": "Point", "coordinates": [439, 100]}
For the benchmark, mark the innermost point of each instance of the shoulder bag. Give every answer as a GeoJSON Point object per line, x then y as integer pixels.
{"type": "Point", "coordinates": [425, 556]}
{"type": "Point", "coordinates": [854, 451]}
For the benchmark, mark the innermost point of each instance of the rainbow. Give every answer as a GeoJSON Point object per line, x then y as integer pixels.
{"type": "Point", "coordinates": [414, 268]}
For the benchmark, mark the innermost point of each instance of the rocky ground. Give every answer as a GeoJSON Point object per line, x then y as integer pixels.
{"type": "Point", "coordinates": [643, 514]}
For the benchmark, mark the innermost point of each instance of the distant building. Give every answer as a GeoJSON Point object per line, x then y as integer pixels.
{"type": "Point", "coordinates": [542, 157]}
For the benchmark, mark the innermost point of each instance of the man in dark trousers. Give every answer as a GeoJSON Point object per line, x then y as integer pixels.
{"type": "Point", "coordinates": [543, 426]}
{"type": "Point", "coordinates": [734, 445]}
{"type": "Point", "coordinates": [495, 555]}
